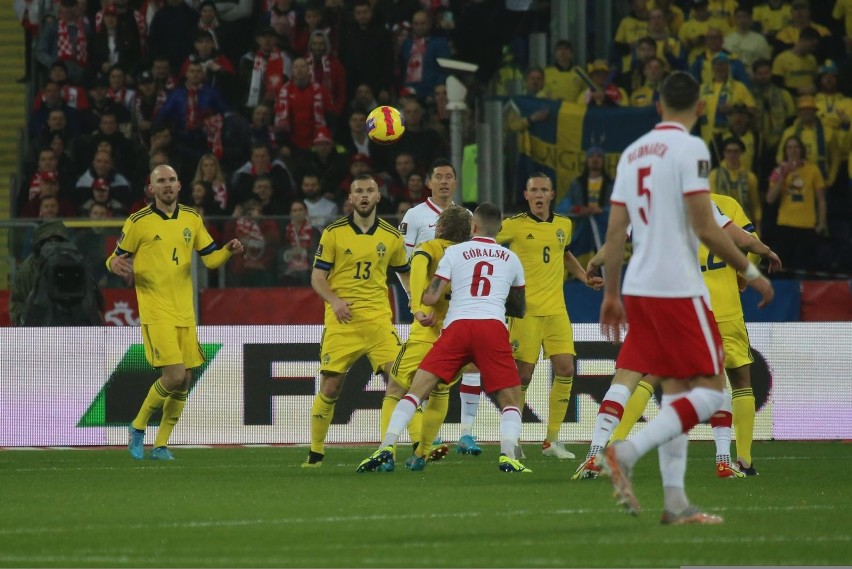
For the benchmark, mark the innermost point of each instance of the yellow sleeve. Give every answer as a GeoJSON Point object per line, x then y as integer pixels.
{"type": "Point", "coordinates": [324, 258]}
{"type": "Point", "coordinates": [621, 32]}
{"type": "Point", "coordinates": [399, 260]}
{"type": "Point", "coordinates": [745, 96]}
{"type": "Point", "coordinates": [711, 180]}
{"type": "Point", "coordinates": [128, 241]}
{"type": "Point", "coordinates": [419, 280]}
{"type": "Point", "coordinates": [778, 67]}
{"type": "Point", "coordinates": [212, 256]}
{"type": "Point", "coordinates": [505, 235]}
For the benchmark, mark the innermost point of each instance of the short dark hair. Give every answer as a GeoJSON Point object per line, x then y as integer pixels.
{"type": "Point", "coordinates": [490, 217]}
{"type": "Point", "coordinates": [762, 62]}
{"type": "Point", "coordinates": [563, 43]}
{"type": "Point", "coordinates": [453, 224]}
{"type": "Point", "coordinates": [647, 40]}
{"type": "Point", "coordinates": [734, 140]}
{"type": "Point", "coordinates": [363, 176]}
{"type": "Point", "coordinates": [809, 33]}
{"type": "Point", "coordinates": [440, 163]}
{"type": "Point", "coordinates": [680, 91]}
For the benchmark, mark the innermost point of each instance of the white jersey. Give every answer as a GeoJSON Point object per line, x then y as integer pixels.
{"type": "Point", "coordinates": [480, 272]}
{"type": "Point", "coordinates": [654, 175]}
{"type": "Point", "coordinates": [418, 224]}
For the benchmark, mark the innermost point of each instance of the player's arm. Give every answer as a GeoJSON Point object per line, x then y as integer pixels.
{"type": "Point", "coordinates": [700, 214]}
{"type": "Point", "coordinates": [573, 266]}
{"type": "Point", "coordinates": [418, 279]}
{"type": "Point", "coordinates": [516, 302]}
{"type": "Point", "coordinates": [749, 242]}
{"type": "Point", "coordinates": [319, 282]}
{"type": "Point", "coordinates": [120, 262]}
{"type": "Point", "coordinates": [435, 291]}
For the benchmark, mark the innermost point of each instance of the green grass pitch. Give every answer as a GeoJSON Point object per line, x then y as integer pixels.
{"type": "Point", "coordinates": [255, 507]}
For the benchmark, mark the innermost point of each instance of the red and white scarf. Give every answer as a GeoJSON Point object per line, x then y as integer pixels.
{"type": "Point", "coordinates": [65, 50]}
{"type": "Point", "coordinates": [302, 238]}
{"type": "Point", "coordinates": [220, 194]}
{"type": "Point", "coordinates": [266, 68]}
{"type": "Point", "coordinates": [282, 107]}
{"type": "Point", "coordinates": [212, 29]}
{"type": "Point", "coordinates": [414, 70]}
{"type": "Point", "coordinates": [325, 80]}
{"type": "Point", "coordinates": [288, 17]}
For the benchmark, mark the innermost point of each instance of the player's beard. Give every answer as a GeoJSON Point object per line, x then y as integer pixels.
{"type": "Point", "coordinates": [368, 213]}
{"type": "Point", "coordinates": [168, 200]}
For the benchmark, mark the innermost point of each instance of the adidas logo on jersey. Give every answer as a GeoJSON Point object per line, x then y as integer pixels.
{"type": "Point", "coordinates": [530, 236]}
{"type": "Point", "coordinates": [157, 238]}
{"type": "Point", "coordinates": [347, 252]}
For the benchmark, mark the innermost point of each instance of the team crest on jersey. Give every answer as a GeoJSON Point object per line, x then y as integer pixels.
{"type": "Point", "coordinates": [515, 346]}
{"type": "Point", "coordinates": [187, 235]}
{"type": "Point", "coordinates": [703, 168]}
{"type": "Point", "coordinates": [381, 250]}
{"type": "Point", "coordinates": [121, 238]}
{"type": "Point", "coordinates": [326, 359]}
{"type": "Point", "coordinates": [403, 228]}
{"type": "Point", "coordinates": [560, 236]}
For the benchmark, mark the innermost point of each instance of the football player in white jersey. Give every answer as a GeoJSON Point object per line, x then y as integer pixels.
{"type": "Point", "coordinates": [487, 283]}
{"type": "Point", "coordinates": [418, 226]}
{"type": "Point", "coordinates": [662, 187]}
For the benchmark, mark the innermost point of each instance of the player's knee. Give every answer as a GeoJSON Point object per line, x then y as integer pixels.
{"type": "Point", "coordinates": [563, 370]}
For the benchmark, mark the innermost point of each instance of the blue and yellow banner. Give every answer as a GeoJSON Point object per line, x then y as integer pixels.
{"type": "Point", "coordinates": [556, 145]}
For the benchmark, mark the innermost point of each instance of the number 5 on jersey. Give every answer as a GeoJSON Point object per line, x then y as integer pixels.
{"type": "Point", "coordinates": [644, 190]}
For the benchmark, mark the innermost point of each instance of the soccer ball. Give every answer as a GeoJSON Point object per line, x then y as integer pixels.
{"type": "Point", "coordinates": [385, 125]}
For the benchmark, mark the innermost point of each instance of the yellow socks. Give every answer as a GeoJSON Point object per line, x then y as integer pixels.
{"type": "Point", "coordinates": [433, 417]}
{"type": "Point", "coordinates": [633, 410]}
{"type": "Point", "coordinates": [322, 412]}
{"type": "Point", "coordinates": [153, 401]}
{"type": "Point", "coordinates": [560, 396]}
{"type": "Point", "coordinates": [742, 403]}
{"type": "Point", "coordinates": [172, 409]}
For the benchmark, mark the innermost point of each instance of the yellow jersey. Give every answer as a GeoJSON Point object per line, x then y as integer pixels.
{"type": "Point", "coordinates": [798, 204]}
{"type": "Point", "coordinates": [564, 84]}
{"type": "Point", "coordinates": [721, 278]}
{"type": "Point", "coordinates": [541, 247]}
{"type": "Point", "coordinates": [843, 11]}
{"type": "Point", "coordinates": [358, 263]}
{"type": "Point", "coordinates": [797, 72]}
{"type": "Point", "coordinates": [740, 184]}
{"type": "Point", "coordinates": [771, 19]}
{"type": "Point", "coordinates": [424, 262]}
{"type": "Point", "coordinates": [161, 249]}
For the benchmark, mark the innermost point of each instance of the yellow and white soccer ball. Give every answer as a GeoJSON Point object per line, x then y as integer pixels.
{"type": "Point", "coordinates": [385, 125]}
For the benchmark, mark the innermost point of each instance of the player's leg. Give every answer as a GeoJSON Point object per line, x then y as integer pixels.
{"type": "Point", "coordinates": [635, 407]}
{"type": "Point", "coordinates": [558, 342]}
{"type": "Point", "coordinates": [623, 384]}
{"type": "Point", "coordinates": [738, 360]}
{"type": "Point", "coordinates": [322, 412]}
{"type": "Point", "coordinates": [470, 394]}
{"type": "Point", "coordinates": [162, 352]}
{"type": "Point", "coordinates": [509, 399]}
{"type": "Point", "coordinates": [433, 417]}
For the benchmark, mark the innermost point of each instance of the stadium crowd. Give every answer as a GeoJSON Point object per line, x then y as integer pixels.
{"type": "Point", "coordinates": [260, 106]}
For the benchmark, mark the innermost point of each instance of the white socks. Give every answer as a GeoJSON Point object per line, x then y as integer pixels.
{"type": "Point", "coordinates": [469, 393]}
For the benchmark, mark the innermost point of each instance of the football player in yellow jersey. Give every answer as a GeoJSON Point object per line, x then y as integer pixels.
{"type": "Point", "coordinates": [451, 227]}
{"type": "Point", "coordinates": [540, 238]}
{"type": "Point", "coordinates": [721, 281]}
{"type": "Point", "coordinates": [350, 274]}
{"type": "Point", "coordinates": [155, 249]}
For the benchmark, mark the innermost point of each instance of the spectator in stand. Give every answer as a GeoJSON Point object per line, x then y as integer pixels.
{"type": "Point", "coordinates": [364, 98]}
{"type": "Point", "coordinates": [771, 16]}
{"type": "Point", "coordinates": [237, 21]}
{"type": "Point", "coordinates": [630, 81]}
{"type": "Point", "coordinates": [283, 18]}
{"type": "Point", "coordinates": [202, 200]}
{"type": "Point", "coordinates": [667, 47]}
{"type": "Point", "coordinates": [649, 93]}
{"type": "Point", "coordinates": [102, 170]}
{"type": "Point", "coordinates": [795, 69]}
{"type": "Point", "coordinates": [321, 210]}
{"type": "Point", "coordinates": [327, 162]}
{"type": "Point", "coordinates": [94, 243]}
{"type": "Point", "coordinates": [208, 21]}
{"type": "Point", "coordinates": [48, 188]}
{"type": "Point", "coordinates": [403, 166]}
{"type": "Point", "coordinates": [733, 178]}
{"type": "Point", "coordinates": [262, 72]}
{"type": "Point", "coordinates": [366, 51]}
{"type": "Point", "coordinates": [300, 109]}
{"type": "Point", "coordinates": [172, 31]}
{"type": "Point", "coordinates": [415, 189]}
{"type": "Point", "coordinates": [533, 83]}
{"type": "Point", "coordinates": [723, 10]}
{"type": "Point", "coordinates": [312, 21]}
{"type": "Point", "coordinates": [163, 76]}
{"type": "Point", "coordinates": [740, 127]}
{"type": "Point", "coordinates": [326, 70]}
{"type": "Point", "coordinates": [419, 56]}
{"type": "Point", "coordinates": [672, 14]}
{"type": "Point", "coordinates": [822, 146]}
{"type": "Point", "coordinates": [113, 46]}
{"type": "Point", "coordinates": [703, 66]}
{"type": "Point", "coordinates": [210, 172]}
{"type": "Point", "coordinates": [158, 158]}
{"type": "Point", "coordinates": [260, 238]}
{"type": "Point", "coordinates": [775, 106]}
{"type": "Point", "coordinates": [744, 42]}
{"type": "Point", "coordinates": [694, 29]}
{"type": "Point", "coordinates": [802, 212]}
{"type": "Point", "coordinates": [788, 36]}
{"type": "Point", "coordinates": [261, 130]}
{"type": "Point", "coordinates": [39, 122]}
{"type": "Point", "coordinates": [423, 142]}
{"type": "Point", "coordinates": [260, 163]}
{"type": "Point", "coordinates": [587, 203]}
{"type": "Point", "coordinates": [102, 194]}
{"type": "Point", "coordinates": [562, 80]}
{"type": "Point", "coordinates": [47, 166]}
{"type": "Point", "coordinates": [28, 14]}
{"type": "Point", "coordinates": [833, 109]}
{"type": "Point", "coordinates": [74, 96]}
{"type": "Point", "coordinates": [66, 39]}
{"type": "Point", "coordinates": [605, 93]}
{"type": "Point", "coordinates": [122, 149]}
{"type": "Point", "coordinates": [719, 94]}
{"type": "Point", "coordinates": [361, 164]}
{"type": "Point", "coordinates": [630, 29]}
{"type": "Point", "coordinates": [263, 193]}
{"type": "Point", "coordinates": [218, 71]}
{"type": "Point", "coordinates": [119, 92]}
{"type": "Point", "coordinates": [48, 208]}
{"type": "Point", "coordinates": [299, 243]}
{"type": "Point", "coordinates": [149, 101]}
{"type": "Point", "coordinates": [130, 23]}
{"type": "Point", "coordinates": [354, 139]}
{"type": "Point", "coordinates": [99, 104]}
{"type": "Point", "coordinates": [162, 141]}
{"type": "Point", "coordinates": [195, 112]}
{"type": "Point", "coordinates": [391, 12]}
